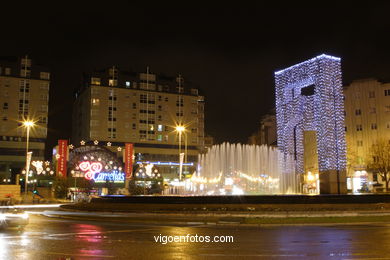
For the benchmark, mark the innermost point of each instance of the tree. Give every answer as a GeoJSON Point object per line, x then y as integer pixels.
{"type": "Point", "coordinates": [379, 161]}
{"type": "Point", "coordinates": [60, 187]}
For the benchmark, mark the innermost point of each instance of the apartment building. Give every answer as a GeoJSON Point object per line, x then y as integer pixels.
{"type": "Point", "coordinates": [143, 108]}
{"type": "Point", "coordinates": [24, 95]}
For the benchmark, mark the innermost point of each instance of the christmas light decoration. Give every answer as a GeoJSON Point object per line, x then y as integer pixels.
{"type": "Point", "coordinates": [309, 97]}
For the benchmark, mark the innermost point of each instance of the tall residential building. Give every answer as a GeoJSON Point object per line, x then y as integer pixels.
{"type": "Point", "coordinates": [367, 109]}
{"type": "Point", "coordinates": [120, 107]}
{"type": "Point", "coordinates": [24, 95]}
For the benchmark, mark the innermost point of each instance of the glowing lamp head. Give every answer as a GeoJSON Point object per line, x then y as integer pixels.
{"type": "Point", "coordinates": [180, 128]}
{"type": "Point", "coordinates": [28, 123]}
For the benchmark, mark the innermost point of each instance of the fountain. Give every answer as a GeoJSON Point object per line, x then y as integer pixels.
{"type": "Point", "coordinates": [244, 169]}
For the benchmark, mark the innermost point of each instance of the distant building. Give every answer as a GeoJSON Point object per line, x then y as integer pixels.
{"type": "Point", "coordinates": [267, 131]}
{"type": "Point", "coordinates": [24, 95]}
{"type": "Point", "coordinates": [119, 107]}
{"type": "Point", "coordinates": [367, 110]}
{"type": "Point", "coordinates": [208, 142]}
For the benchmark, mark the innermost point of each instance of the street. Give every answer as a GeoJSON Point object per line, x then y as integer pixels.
{"type": "Point", "coordinates": [51, 238]}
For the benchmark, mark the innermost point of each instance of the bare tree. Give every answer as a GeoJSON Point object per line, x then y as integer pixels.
{"type": "Point", "coordinates": [379, 161]}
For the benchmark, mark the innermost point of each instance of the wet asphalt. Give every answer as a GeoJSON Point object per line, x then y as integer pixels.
{"type": "Point", "coordinates": [52, 238]}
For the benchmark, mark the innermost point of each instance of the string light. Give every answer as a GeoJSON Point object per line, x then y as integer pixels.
{"type": "Point", "coordinates": [321, 111]}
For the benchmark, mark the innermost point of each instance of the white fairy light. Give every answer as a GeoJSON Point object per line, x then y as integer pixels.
{"type": "Point", "coordinates": [321, 111]}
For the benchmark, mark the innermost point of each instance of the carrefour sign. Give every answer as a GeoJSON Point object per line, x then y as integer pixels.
{"type": "Point", "coordinates": [93, 171]}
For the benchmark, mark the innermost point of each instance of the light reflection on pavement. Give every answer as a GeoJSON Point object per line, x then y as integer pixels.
{"type": "Point", "coordinates": [51, 238]}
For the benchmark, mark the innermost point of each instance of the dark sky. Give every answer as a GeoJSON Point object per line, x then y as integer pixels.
{"type": "Point", "coordinates": [229, 51]}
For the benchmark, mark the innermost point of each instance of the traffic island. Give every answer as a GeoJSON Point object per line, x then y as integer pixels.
{"type": "Point", "coordinates": [157, 210]}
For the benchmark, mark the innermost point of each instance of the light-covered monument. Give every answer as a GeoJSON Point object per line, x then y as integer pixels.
{"type": "Point", "coordinates": [310, 120]}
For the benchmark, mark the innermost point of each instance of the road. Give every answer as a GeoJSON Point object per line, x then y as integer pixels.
{"type": "Point", "coordinates": [52, 238]}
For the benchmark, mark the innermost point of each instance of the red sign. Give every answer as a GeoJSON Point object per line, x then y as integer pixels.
{"type": "Point", "coordinates": [62, 155]}
{"type": "Point", "coordinates": [128, 160]}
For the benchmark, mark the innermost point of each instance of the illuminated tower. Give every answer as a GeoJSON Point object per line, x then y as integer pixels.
{"type": "Point", "coordinates": [309, 104]}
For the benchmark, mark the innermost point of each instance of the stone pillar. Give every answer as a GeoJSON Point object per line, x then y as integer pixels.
{"type": "Point", "coordinates": [330, 183]}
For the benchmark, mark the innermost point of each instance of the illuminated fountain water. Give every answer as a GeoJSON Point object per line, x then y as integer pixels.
{"type": "Point", "coordinates": [244, 169]}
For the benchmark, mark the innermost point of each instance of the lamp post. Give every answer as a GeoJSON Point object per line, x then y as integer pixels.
{"type": "Point", "coordinates": [27, 124]}
{"type": "Point", "coordinates": [180, 129]}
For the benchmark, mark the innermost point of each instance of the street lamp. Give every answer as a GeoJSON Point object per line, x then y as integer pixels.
{"type": "Point", "coordinates": [180, 129]}
{"type": "Point", "coordinates": [27, 124]}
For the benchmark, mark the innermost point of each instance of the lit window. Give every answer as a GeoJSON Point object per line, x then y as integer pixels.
{"type": "Point", "coordinates": [45, 75]}
{"type": "Point", "coordinates": [95, 81]}
{"type": "Point", "coordinates": [128, 84]}
{"type": "Point", "coordinates": [95, 101]}
{"type": "Point", "coordinates": [159, 128]}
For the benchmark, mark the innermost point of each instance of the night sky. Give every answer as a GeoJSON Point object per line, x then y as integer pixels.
{"type": "Point", "coordinates": [228, 51]}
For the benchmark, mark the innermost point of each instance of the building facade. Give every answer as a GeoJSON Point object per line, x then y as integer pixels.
{"type": "Point", "coordinates": [118, 107]}
{"type": "Point", "coordinates": [367, 110]}
{"type": "Point", "coordinates": [267, 131]}
{"type": "Point", "coordinates": [24, 95]}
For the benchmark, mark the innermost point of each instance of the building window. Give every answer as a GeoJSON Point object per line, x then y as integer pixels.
{"type": "Point", "coordinates": [160, 128]}
{"type": "Point", "coordinates": [44, 75]}
{"type": "Point", "coordinates": [25, 73]}
{"type": "Point", "coordinates": [5, 105]}
{"type": "Point", "coordinates": [42, 120]}
{"type": "Point", "coordinates": [134, 126]}
{"type": "Point", "coordinates": [345, 129]}
{"type": "Point", "coordinates": [166, 99]}
{"type": "Point", "coordinates": [194, 91]}
{"type": "Point", "coordinates": [357, 95]}
{"type": "Point", "coordinates": [374, 126]}
{"type": "Point", "coordinates": [371, 94]}
{"type": "Point", "coordinates": [112, 98]}
{"type": "Point", "coordinates": [95, 101]}
{"type": "Point", "coordinates": [24, 86]}
{"type": "Point", "coordinates": [359, 143]}
{"type": "Point", "coordinates": [358, 112]}
{"type": "Point", "coordinates": [44, 86]}
{"type": "Point", "coordinates": [180, 113]}
{"type": "Point", "coordinates": [95, 81]}
{"type": "Point", "coordinates": [159, 117]}
{"type": "Point", "coordinates": [143, 98]}
{"type": "Point", "coordinates": [159, 108]}
{"type": "Point", "coordinates": [372, 110]}
{"type": "Point", "coordinates": [7, 71]}
{"type": "Point", "coordinates": [179, 101]}
{"type": "Point", "coordinates": [359, 128]}
{"type": "Point", "coordinates": [128, 84]}
{"type": "Point", "coordinates": [387, 109]}
{"type": "Point", "coordinates": [387, 92]}
{"type": "Point", "coordinates": [5, 118]}
{"type": "Point", "coordinates": [112, 82]}
{"type": "Point", "coordinates": [159, 138]}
